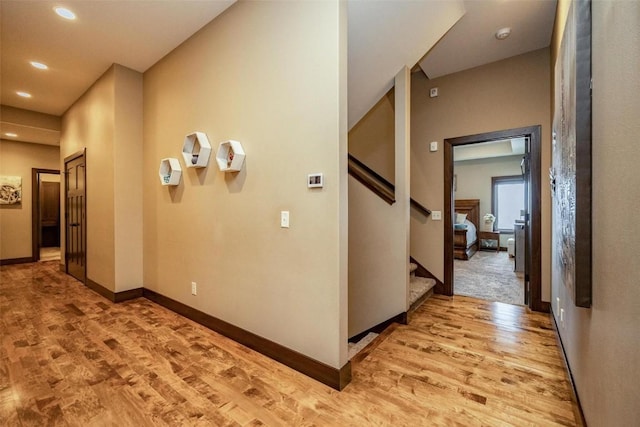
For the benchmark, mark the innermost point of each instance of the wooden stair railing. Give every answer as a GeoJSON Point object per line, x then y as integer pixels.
{"type": "Point", "coordinates": [380, 186]}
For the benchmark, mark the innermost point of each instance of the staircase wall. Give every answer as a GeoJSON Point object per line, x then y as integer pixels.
{"type": "Point", "coordinates": [384, 36]}
{"type": "Point", "coordinates": [372, 140]}
{"type": "Point", "coordinates": [379, 234]}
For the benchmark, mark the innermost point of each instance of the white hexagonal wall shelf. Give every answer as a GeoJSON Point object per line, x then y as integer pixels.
{"type": "Point", "coordinates": [170, 171]}
{"type": "Point", "coordinates": [196, 150]}
{"type": "Point", "coordinates": [230, 156]}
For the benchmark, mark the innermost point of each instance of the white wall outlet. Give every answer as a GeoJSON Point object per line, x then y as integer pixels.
{"type": "Point", "coordinates": [433, 92]}
{"type": "Point", "coordinates": [315, 180]}
{"type": "Point", "coordinates": [433, 146]}
{"type": "Point", "coordinates": [436, 215]}
{"type": "Point", "coordinates": [194, 288]}
{"type": "Point", "coordinates": [284, 219]}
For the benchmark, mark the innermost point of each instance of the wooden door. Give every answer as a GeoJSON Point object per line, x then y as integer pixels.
{"type": "Point", "coordinates": [75, 217]}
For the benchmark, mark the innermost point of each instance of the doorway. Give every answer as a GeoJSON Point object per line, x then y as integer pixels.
{"type": "Point", "coordinates": [45, 214]}
{"type": "Point", "coordinates": [532, 175]}
{"type": "Point", "coordinates": [75, 216]}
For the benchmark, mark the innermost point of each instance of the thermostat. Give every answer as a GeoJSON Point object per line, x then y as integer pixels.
{"type": "Point", "coordinates": [315, 180]}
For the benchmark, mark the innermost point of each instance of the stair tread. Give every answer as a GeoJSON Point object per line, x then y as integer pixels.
{"type": "Point", "coordinates": [418, 286]}
{"type": "Point", "coordinates": [412, 267]}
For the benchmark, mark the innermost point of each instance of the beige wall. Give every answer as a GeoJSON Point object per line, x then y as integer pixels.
{"type": "Point", "coordinates": [602, 343]}
{"type": "Point", "coordinates": [17, 159]}
{"type": "Point", "coordinates": [127, 203]}
{"type": "Point", "coordinates": [474, 180]}
{"type": "Point", "coordinates": [271, 75]}
{"type": "Point", "coordinates": [506, 94]}
{"type": "Point", "coordinates": [107, 121]}
{"type": "Point", "coordinates": [371, 140]}
{"type": "Point", "coordinates": [379, 232]}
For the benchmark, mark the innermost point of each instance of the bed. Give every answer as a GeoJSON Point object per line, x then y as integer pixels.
{"type": "Point", "coordinates": [465, 232]}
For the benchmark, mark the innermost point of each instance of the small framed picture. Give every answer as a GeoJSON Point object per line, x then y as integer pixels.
{"type": "Point", "coordinates": [315, 180]}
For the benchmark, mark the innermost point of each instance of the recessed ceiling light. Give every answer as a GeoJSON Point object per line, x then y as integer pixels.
{"type": "Point", "coordinates": [503, 33]}
{"type": "Point", "coordinates": [10, 134]}
{"type": "Point", "coordinates": [65, 13]}
{"type": "Point", "coordinates": [38, 65]}
{"type": "Point", "coordinates": [24, 94]}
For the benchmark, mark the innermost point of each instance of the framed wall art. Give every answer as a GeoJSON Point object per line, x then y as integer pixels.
{"type": "Point", "coordinates": [10, 190]}
{"type": "Point", "coordinates": [571, 156]}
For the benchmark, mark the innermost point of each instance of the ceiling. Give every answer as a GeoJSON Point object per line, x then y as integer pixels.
{"type": "Point", "coordinates": [490, 149]}
{"type": "Point", "coordinates": [132, 33]}
{"type": "Point", "coordinates": [472, 42]}
{"type": "Point", "coordinates": [383, 36]}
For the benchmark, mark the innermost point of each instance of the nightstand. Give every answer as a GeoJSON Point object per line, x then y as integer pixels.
{"type": "Point", "coordinates": [489, 240]}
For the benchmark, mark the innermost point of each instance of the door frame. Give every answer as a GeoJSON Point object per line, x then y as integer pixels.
{"type": "Point", "coordinates": [35, 209]}
{"type": "Point", "coordinates": [74, 156]}
{"type": "Point", "coordinates": [535, 272]}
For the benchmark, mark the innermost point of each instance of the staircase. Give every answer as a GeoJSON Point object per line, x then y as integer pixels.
{"type": "Point", "coordinates": [420, 288]}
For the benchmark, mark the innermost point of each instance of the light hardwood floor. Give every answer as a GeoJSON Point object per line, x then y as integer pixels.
{"type": "Point", "coordinates": [70, 357]}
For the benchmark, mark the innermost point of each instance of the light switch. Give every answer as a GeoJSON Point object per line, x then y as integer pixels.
{"type": "Point", "coordinates": [284, 219]}
{"type": "Point", "coordinates": [436, 215]}
{"type": "Point", "coordinates": [433, 146]}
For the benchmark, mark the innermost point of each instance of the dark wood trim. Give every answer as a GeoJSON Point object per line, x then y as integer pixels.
{"type": "Point", "coordinates": [335, 378]}
{"type": "Point", "coordinates": [344, 376]}
{"type": "Point", "coordinates": [545, 307]}
{"type": "Point", "coordinates": [583, 173]}
{"type": "Point", "coordinates": [99, 289]}
{"type": "Point", "coordinates": [379, 185]}
{"type": "Point", "coordinates": [535, 273]}
{"type": "Point", "coordinates": [449, 211]}
{"type": "Point", "coordinates": [421, 271]}
{"type": "Point", "coordinates": [578, 414]}
{"type": "Point", "coordinates": [370, 179]}
{"type": "Point", "coordinates": [11, 261]}
{"type": "Point", "coordinates": [401, 318]}
{"type": "Point", "coordinates": [420, 208]}
{"type": "Point", "coordinates": [535, 227]}
{"type": "Point", "coordinates": [35, 209]}
{"type": "Point", "coordinates": [114, 296]}
{"type": "Point", "coordinates": [127, 295]}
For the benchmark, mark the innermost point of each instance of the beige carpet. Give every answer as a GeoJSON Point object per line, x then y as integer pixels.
{"type": "Point", "coordinates": [489, 276]}
{"type": "Point", "coordinates": [49, 254]}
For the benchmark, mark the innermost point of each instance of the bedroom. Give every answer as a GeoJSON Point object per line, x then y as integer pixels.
{"type": "Point", "coordinates": [488, 181]}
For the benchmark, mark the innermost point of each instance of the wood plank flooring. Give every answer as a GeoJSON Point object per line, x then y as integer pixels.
{"type": "Point", "coordinates": [70, 357]}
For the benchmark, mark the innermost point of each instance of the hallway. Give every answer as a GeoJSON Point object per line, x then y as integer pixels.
{"type": "Point", "coordinates": [69, 356]}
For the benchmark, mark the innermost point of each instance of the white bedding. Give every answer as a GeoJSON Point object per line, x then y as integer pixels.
{"type": "Point", "coordinates": [472, 234]}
